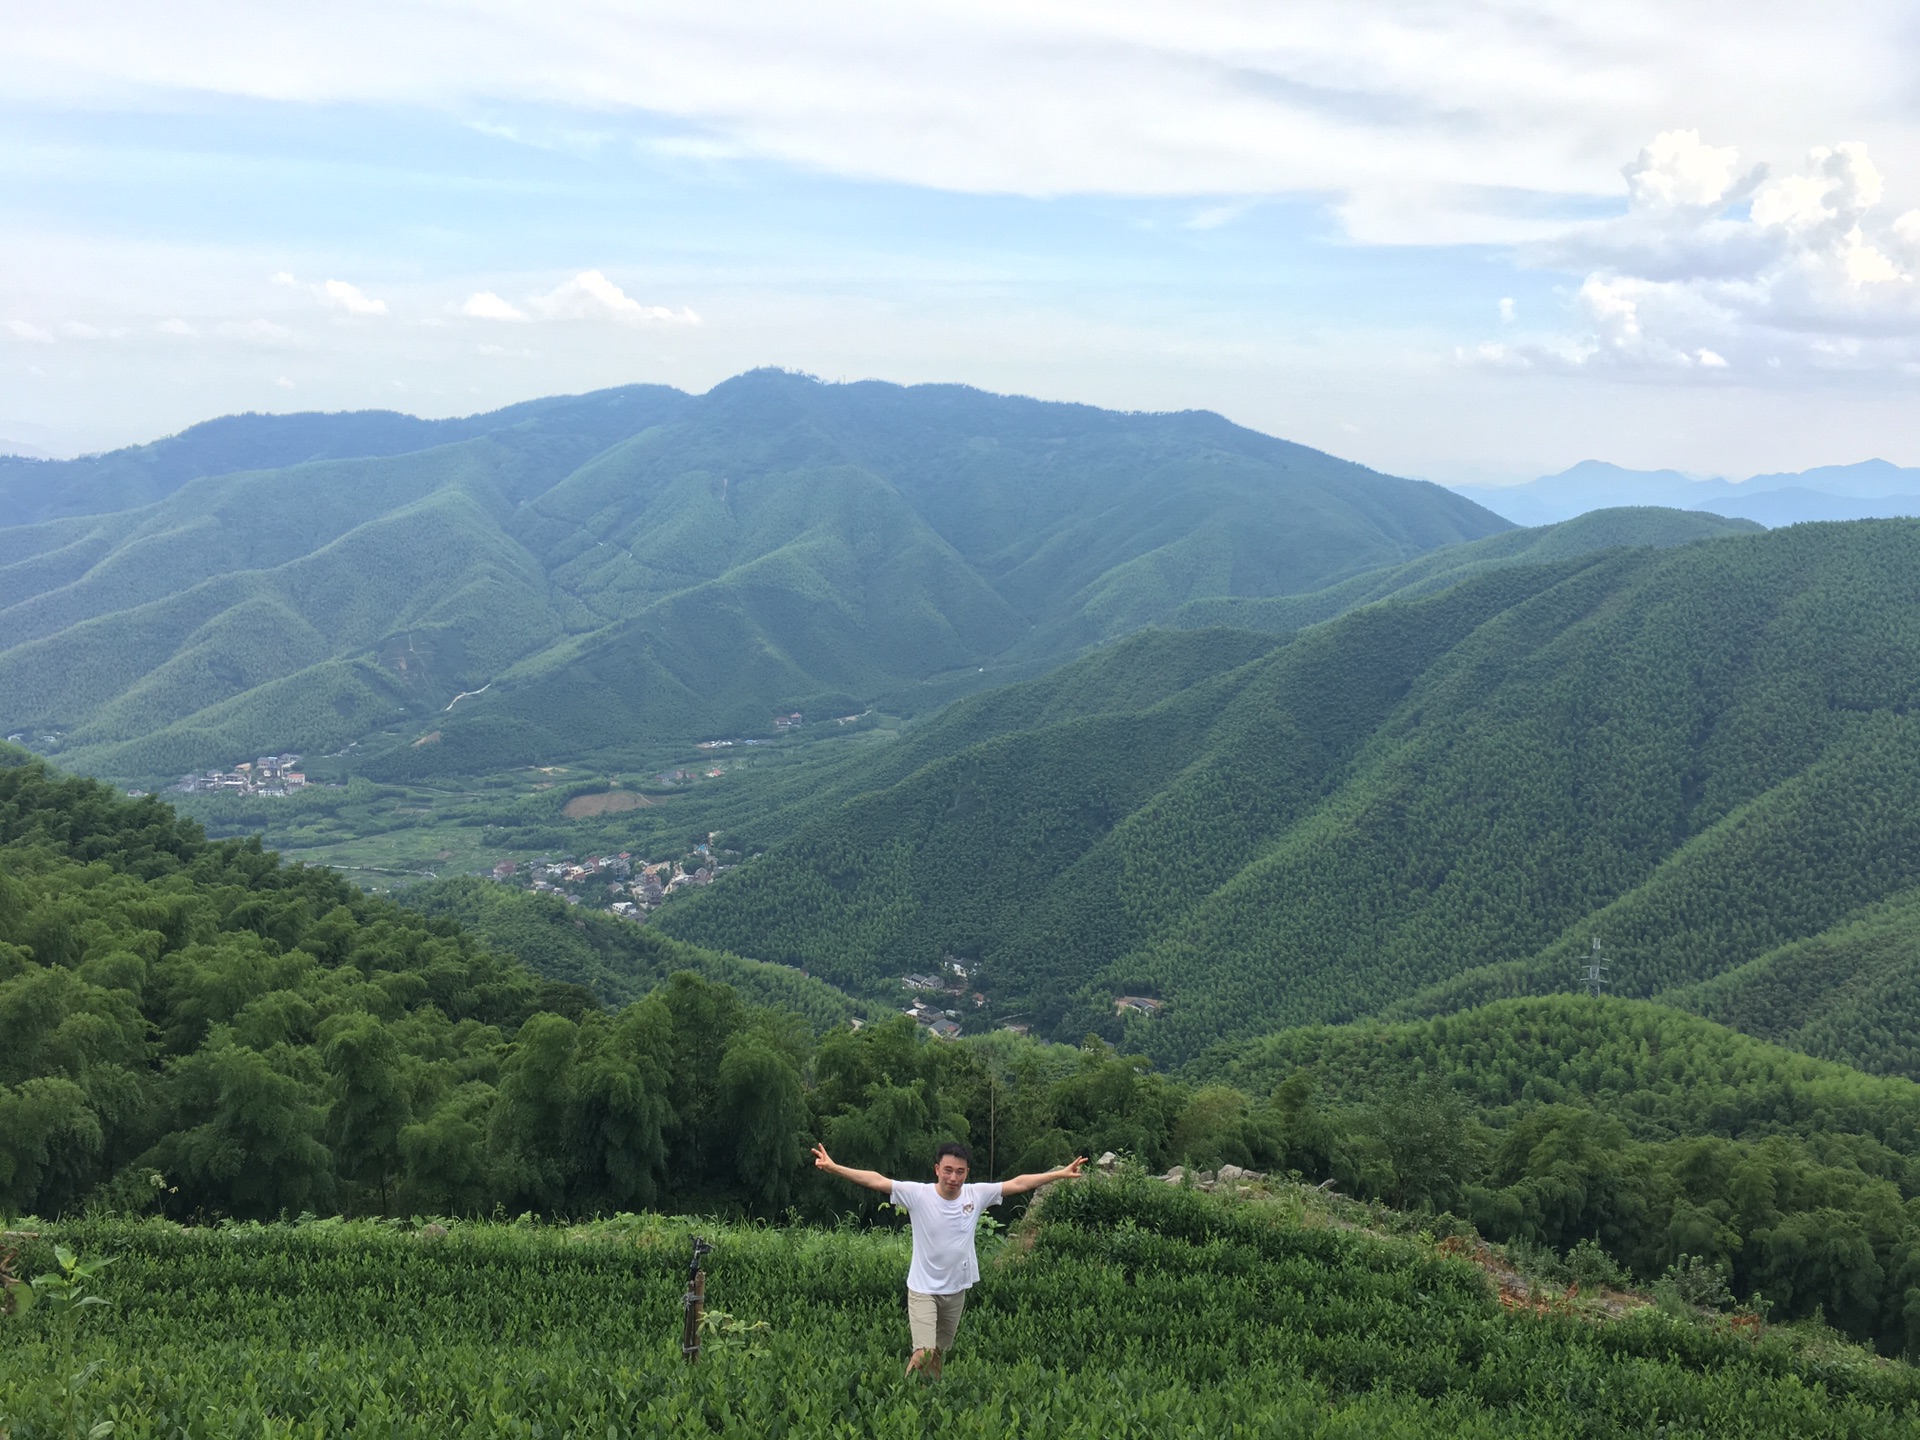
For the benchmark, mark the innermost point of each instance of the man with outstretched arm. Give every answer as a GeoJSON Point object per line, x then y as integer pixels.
{"type": "Point", "coordinates": [944, 1215]}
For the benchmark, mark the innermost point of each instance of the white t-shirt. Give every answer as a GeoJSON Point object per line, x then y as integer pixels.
{"type": "Point", "coordinates": [943, 1258]}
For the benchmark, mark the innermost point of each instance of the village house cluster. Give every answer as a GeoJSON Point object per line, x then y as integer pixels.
{"type": "Point", "coordinates": [928, 990]}
{"type": "Point", "coordinates": [632, 887]}
{"type": "Point", "coordinates": [780, 725]}
{"type": "Point", "coordinates": [270, 775]}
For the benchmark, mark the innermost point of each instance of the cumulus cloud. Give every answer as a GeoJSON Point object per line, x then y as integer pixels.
{"type": "Point", "coordinates": [1716, 268]}
{"type": "Point", "coordinates": [590, 295]}
{"type": "Point", "coordinates": [339, 295]}
{"type": "Point", "coordinates": [350, 298]}
{"type": "Point", "coordinates": [1676, 172]}
{"type": "Point", "coordinates": [27, 330]}
{"type": "Point", "coordinates": [486, 305]}
{"type": "Point", "coordinates": [176, 326]}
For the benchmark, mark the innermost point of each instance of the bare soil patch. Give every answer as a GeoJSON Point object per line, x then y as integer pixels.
{"type": "Point", "coordinates": [607, 802]}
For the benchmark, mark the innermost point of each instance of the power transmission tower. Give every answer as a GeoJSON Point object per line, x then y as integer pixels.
{"type": "Point", "coordinates": [1594, 975]}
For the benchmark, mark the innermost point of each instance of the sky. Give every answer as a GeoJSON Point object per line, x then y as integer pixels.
{"type": "Point", "coordinates": [1471, 241]}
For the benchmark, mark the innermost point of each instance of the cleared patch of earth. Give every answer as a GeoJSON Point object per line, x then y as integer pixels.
{"type": "Point", "coordinates": [607, 802]}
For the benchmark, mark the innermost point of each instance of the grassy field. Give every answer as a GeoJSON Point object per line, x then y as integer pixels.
{"type": "Point", "coordinates": [1126, 1308]}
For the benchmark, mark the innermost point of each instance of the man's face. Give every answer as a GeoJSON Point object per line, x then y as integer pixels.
{"type": "Point", "coordinates": [949, 1174]}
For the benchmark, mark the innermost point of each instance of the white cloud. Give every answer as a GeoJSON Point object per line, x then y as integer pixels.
{"type": "Point", "coordinates": [591, 296]}
{"type": "Point", "coordinates": [27, 330]}
{"type": "Point", "coordinates": [1676, 172]}
{"type": "Point", "coordinates": [485, 305]}
{"type": "Point", "coordinates": [284, 383]}
{"type": "Point", "coordinates": [334, 294]}
{"type": "Point", "coordinates": [1810, 276]}
{"type": "Point", "coordinates": [350, 298]}
{"type": "Point", "coordinates": [1507, 312]}
{"type": "Point", "coordinates": [176, 326]}
{"type": "Point", "coordinates": [1490, 104]}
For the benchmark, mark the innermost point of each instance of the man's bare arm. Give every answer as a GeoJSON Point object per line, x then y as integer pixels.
{"type": "Point", "coordinates": [872, 1179]}
{"type": "Point", "coordinates": [1021, 1184]}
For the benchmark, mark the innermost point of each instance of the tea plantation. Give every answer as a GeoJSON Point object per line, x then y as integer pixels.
{"type": "Point", "coordinates": [1125, 1308]}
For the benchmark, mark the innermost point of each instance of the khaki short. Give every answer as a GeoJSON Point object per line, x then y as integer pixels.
{"type": "Point", "coordinates": [934, 1318]}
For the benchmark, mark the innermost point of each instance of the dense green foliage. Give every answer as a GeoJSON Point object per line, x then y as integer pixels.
{"type": "Point", "coordinates": [1851, 993]}
{"type": "Point", "coordinates": [645, 566]}
{"type": "Point", "coordinates": [270, 1039]}
{"type": "Point", "coordinates": [1283, 1328]}
{"type": "Point", "coordinates": [1656, 1134]}
{"type": "Point", "coordinates": [1699, 753]}
{"type": "Point", "coordinates": [617, 960]}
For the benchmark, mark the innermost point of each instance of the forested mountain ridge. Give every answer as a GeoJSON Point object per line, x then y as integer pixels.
{"type": "Point", "coordinates": [1849, 994]}
{"type": "Point", "coordinates": [1435, 571]}
{"type": "Point", "coordinates": [32, 491]}
{"type": "Point", "coordinates": [1153, 664]}
{"type": "Point", "coordinates": [654, 565]}
{"type": "Point", "coordinates": [1699, 753]}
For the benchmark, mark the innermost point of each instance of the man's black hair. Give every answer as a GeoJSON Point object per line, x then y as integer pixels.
{"type": "Point", "coordinates": [955, 1149]}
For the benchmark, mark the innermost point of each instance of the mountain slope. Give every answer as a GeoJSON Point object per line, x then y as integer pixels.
{"type": "Point", "coordinates": [1850, 993]}
{"type": "Point", "coordinates": [642, 567]}
{"type": "Point", "coordinates": [32, 491]}
{"type": "Point", "coordinates": [1700, 754]}
{"type": "Point", "coordinates": [1436, 570]}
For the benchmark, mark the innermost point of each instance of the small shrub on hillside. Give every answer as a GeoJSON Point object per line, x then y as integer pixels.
{"type": "Point", "coordinates": [1538, 1261]}
{"type": "Point", "coordinates": [1593, 1268]}
{"type": "Point", "coordinates": [1693, 1280]}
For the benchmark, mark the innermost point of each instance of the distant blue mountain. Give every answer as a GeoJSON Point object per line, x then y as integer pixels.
{"type": "Point", "coordinates": [1871, 489]}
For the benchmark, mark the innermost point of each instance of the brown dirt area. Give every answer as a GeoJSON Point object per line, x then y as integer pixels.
{"type": "Point", "coordinates": [607, 802]}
